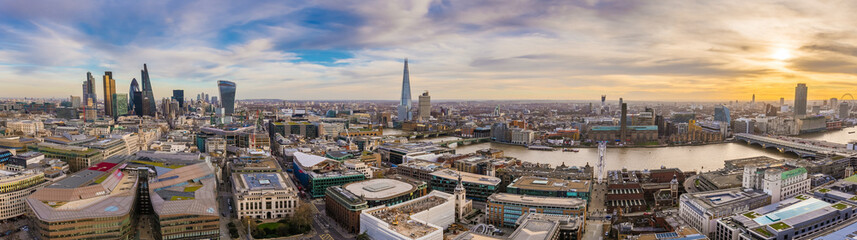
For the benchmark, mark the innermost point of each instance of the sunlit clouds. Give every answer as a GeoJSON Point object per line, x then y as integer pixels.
{"type": "Point", "coordinates": [564, 50]}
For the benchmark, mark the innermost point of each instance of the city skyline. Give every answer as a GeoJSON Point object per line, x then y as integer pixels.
{"type": "Point", "coordinates": [458, 50]}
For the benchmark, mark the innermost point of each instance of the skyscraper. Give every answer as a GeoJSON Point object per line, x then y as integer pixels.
{"type": "Point", "coordinates": [623, 123]}
{"type": "Point", "coordinates": [109, 90]}
{"type": "Point", "coordinates": [178, 95]}
{"type": "Point", "coordinates": [227, 96]}
{"type": "Point", "coordinates": [425, 106]}
{"type": "Point", "coordinates": [754, 99]}
{"type": "Point", "coordinates": [844, 110]}
{"type": "Point", "coordinates": [133, 98]}
{"type": "Point", "coordinates": [721, 114]}
{"type": "Point", "coordinates": [90, 99]}
{"type": "Point", "coordinates": [148, 96]}
{"type": "Point", "coordinates": [120, 104]}
{"type": "Point", "coordinates": [75, 102]}
{"type": "Point", "coordinates": [405, 103]}
{"type": "Point", "coordinates": [800, 99]}
{"type": "Point", "coordinates": [782, 101]}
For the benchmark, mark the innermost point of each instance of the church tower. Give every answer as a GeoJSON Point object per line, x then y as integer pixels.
{"type": "Point", "coordinates": [460, 199]}
{"type": "Point", "coordinates": [674, 188]}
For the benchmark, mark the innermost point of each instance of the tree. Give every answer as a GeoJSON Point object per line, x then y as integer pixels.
{"type": "Point", "coordinates": [363, 236]}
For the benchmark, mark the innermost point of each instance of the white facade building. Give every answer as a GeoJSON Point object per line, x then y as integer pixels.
{"type": "Point", "coordinates": [522, 136]}
{"type": "Point", "coordinates": [702, 210]}
{"type": "Point", "coordinates": [360, 166]}
{"type": "Point", "coordinates": [264, 195]}
{"type": "Point", "coordinates": [780, 181]}
{"type": "Point", "coordinates": [431, 214]}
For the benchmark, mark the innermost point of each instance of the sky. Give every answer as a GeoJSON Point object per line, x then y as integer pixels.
{"type": "Point", "coordinates": [470, 49]}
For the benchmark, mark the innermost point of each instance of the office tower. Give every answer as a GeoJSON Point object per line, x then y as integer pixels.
{"type": "Point", "coordinates": [205, 97]}
{"type": "Point", "coordinates": [227, 96]}
{"type": "Point", "coordinates": [120, 104]}
{"type": "Point", "coordinates": [90, 99]}
{"type": "Point", "coordinates": [178, 95]}
{"type": "Point", "coordinates": [834, 103]}
{"type": "Point", "coordinates": [623, 123]}
{"type": "Point", "coordinates": [148, 96]}
{"type": "Point", "coordinates": [621, 102]}
{"type": "Point", "coordinates": [165, 108]}
{"type": "Point", "coordinates": [137, 102]}
{"type": "Point", "coordinates": [844, 110]}
{"type": "Point", "coordinates": [75, 102]}
{"type": "Point", "coordinates": [782, 101]}
{"type": "Point", "coordinates": [721, 114]}
{"type": "Point", "coordinates": [800, 100]}
{"type": "Point", "coordinates": [405, 103]}
{"type": "Point", "coordinates": [133, 98]}
{"type": "Point", "coordinates": [425, 106]}
{"type": "Point", "coordinates": [214, 100]}
{"type": "Point", "coordinates": [754, 99]}
{"type": "Point", "coordinates": [603, 104]}
{"type": "Point", "coordinates": [199, 97]}
{"type": "Point", "coordinates": [109, 90]}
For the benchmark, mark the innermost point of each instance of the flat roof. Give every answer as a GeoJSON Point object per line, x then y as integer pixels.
{"type": "Point", "coordinates": [550, 184]}
{"type": "Point", "coordinates": [467, 177]}
{"type": "Point", "coordinates": [537, 200]}
{"type": "Point", "coordinates": [379, 189]}
{"type": "Point", "coordinates": [259, 181]}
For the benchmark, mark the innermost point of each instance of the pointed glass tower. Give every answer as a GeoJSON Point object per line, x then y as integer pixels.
{"type": "Point", "coordinates": [405, 104]}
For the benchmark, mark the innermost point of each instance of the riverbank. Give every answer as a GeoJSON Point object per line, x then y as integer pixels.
{"type": "Point", "coordinates": [618, 146]}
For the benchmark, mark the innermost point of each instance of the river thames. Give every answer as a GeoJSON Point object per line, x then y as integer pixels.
{"type": "Point", "coordinates": [687, 158]}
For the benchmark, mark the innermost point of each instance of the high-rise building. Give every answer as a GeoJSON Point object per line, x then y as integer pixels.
{"type": "Point", "coordinates": [109, 90]}
{"type": "Point", "coordinates": [800, 99]}
{"type": "Point", "coordinates": [227, 96]}
{"type": "Point", "coordinates": [834, 103]}
{"type": "Point", "coordinates": [782, 101]}
{"type": "Point", "coordinates": [425, 106]}
{"type": "Point", "coordinates": [90, 99]}
{"type": "Point", "coordinates": [148, 96]}
{"type": "Point", "coordinates": [120, 104]}
{"type": "Point", "coordinates": [844, 110]}
{"type": "Point", "coordinates": [75, 102]}
{"type": "Point", "coordinates": [721, 114]}
{"type": "Point", "coordinates": [754, 99]}
{"type": "Point", "coordinates": [178, 95]}
{"type": "Point", "coordinates": [405, 103]}
{"type": "Point", "coordinates": [133, 98]}
{"type": "Point", "coordinates": [623, 123]}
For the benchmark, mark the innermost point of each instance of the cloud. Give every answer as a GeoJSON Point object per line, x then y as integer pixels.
{"type": "Point", "coordinates": [533, 49]}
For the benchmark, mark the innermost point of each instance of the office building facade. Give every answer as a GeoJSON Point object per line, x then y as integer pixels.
{"type": "Point", "coordinates": [800, 99]}
{"type": "Point", "coordinates": [109, 90]}
{"type": "Point", "coordinates": [504, 209]}
{"type": "Point", "coordinates": [227, 96]}
{"type": "Point", "coordinates": [425, 106]}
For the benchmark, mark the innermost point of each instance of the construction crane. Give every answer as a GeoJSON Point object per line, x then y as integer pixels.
{"type": "Point", "coordinates": [602, 148]}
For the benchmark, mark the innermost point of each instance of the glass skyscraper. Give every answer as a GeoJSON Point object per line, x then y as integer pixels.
{"type": "Point", "coordinates": [800, 99]}
{"type": "Point", "coordinates": [133, 98]}
{"type": "Point", "coordinates": [405, 103]}
{"type": "Point", "coordinates": [148, 97]}
{"type": "Point", "coordinates": [227, 96]}
{"type": "Point", "coordinates": [178, 95]}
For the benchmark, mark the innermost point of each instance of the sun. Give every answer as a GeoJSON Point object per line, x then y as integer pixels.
{"type": "Point", "coordinates": [781, 54]}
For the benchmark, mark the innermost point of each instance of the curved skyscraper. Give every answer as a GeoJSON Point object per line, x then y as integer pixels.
{"type": "Point", "coordinates": [405, 103]}
{"type": "Point", "coordinates": [227, 96]}
{"type": "Point", "coordinates": [132, 100]}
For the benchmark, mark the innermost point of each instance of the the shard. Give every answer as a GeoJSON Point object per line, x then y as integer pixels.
{"type": "Point", "coordinates": [405, 103]}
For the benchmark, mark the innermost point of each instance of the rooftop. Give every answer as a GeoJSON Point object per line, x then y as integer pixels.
{"type": "Point", "coordinates": [399, 216]}
{"type": "Point", "coordinates": [537, 200]}
{"type": "Point", "coordinates": [616, 128]}
{"type": "Point", "coordinates": [550, 184]}
{"type": "Point", "coordinates": [467, 177]}
{"type": "Point", "coordinates": [379, 189]}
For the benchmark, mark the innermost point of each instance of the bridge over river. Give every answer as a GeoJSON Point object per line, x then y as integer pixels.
{"type": "Point", "coordinates": [803, 148]}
